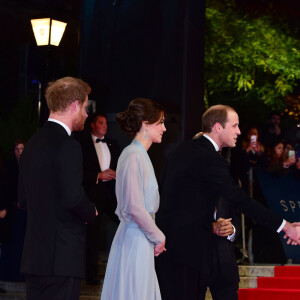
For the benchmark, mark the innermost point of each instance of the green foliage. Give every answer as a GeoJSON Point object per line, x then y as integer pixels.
{"type": "Point", "coordinates": [248, 57]}
{"type": "Point", "coordinates": [20, 123]}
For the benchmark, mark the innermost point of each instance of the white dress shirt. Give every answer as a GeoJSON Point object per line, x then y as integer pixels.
{"type": "Point", "coordinates": [103, 154]}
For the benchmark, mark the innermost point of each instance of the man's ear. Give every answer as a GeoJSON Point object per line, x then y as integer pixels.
{"type": "Point", "coordinates": [217, 128]}
{"type": "Point", "coordinates": [74, 106]}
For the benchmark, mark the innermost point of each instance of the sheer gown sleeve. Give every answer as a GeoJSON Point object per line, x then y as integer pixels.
{"type": "Point", "coordinates": [131, 180]}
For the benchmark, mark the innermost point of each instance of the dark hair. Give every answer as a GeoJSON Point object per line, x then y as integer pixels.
{"type": "Point", "coordinates": [246, 140]}
{"type": "Point", "coordinates": [274, 113]}
{"type": "Point", "coordinates": [18, 142]}
{"type": "Point", "coordinates": [95, 116]}
{"type": "Point", "coordinates": [139, 110]}
{"type": "Point", "coordinates": [62, 92]}
{"type": "Point", "coordinates": [215, 114]}
{"type": "Point", "coordinates": [271, 151]}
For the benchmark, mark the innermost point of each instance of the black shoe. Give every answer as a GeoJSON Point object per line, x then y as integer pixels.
{"type": "Point", "coordinates": [2, 291]}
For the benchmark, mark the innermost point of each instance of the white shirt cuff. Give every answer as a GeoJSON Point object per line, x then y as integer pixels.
{"type": "Point", "coordinates": [231, 237]}
{"type": "Point", "coordinates": [281, 226]}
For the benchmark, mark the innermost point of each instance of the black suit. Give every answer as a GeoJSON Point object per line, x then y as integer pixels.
{"type": "Point", "coordinates": [225, 278]}
{"type": "Point", "coordinates": [102, 193]}
{"type": "Point", "coordinates": [195, 176]}
{"type": "Point", "coordinates": [50, 188]}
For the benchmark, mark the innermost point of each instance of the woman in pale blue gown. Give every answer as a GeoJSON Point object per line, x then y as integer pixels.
{"type": "Point", "coordinates": [130, 273]}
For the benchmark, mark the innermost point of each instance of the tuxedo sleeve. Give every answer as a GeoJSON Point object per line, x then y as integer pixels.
{"type": "Point", "coordinates": [218, 173]}
{"type": "Point", "coordinates": [225, 211]}
{"type": "Point", "coordinates": [90, 171]}
{"type": "Point", "coordinates": [236, 222]}
{"type": "Point", "coordinates": [89, 177]}
{"type": "Point", "coordinates": [69, 172]}
{"type": "Point", "coordinates": [115, 152]}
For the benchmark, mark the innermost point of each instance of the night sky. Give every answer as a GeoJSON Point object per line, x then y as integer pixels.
{"type": "Point", "coordinates": [21, 61]}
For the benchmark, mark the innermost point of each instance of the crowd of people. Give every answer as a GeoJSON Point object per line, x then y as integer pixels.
{"type": "Point", "coordinates": [12, 218]}
{"type": "Point", "coordinates": [169, 238]}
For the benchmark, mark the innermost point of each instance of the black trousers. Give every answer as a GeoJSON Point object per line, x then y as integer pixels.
{"type": "Point", "coordinates": [222, 290]}
{"type": "Point", "coordinates": [52, 287]}
{"type": "Point", "coordinates": [93, 235]}
{"type": "Point", "coordinates": [224, 283]}
{"type": "Point", "coordinates": [181, 282]}
{"type": "Point", "coordinates": [178, 281]}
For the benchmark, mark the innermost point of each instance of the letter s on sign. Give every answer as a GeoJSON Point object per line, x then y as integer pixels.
{"type": "Point", "coordinates": [285, 208]}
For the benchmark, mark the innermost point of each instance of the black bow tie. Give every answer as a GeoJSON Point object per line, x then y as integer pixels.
{"type": "Point", "coordinates": [100, 140]}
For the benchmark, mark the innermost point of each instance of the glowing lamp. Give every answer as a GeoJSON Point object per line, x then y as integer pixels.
{"type": "Point", "coordinates": [47, 31]}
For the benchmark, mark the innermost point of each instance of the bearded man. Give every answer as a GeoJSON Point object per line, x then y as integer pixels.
{"type": "Point", "coordinates": [50, 189]}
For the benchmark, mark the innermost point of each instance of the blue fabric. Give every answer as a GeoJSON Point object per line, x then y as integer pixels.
{"type": "Point", "coordinates": [282, 195]}
{"type": "Point", "coordinates": [130, 272]}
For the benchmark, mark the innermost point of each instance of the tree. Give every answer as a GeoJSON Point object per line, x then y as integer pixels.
{"type": "Point", "coordinates": [248, 58]}
{"type": "Point", "coordinates": [20, 123]}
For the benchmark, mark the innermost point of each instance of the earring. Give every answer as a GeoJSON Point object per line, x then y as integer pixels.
{"type": "Point", "coordinates": [146, 134]}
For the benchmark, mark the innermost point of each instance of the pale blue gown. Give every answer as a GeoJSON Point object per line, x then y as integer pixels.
{"type": "Point", "coordinates": [130, 273]}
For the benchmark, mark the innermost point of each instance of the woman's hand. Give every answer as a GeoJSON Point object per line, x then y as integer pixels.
{"type": "Point", "coordinates": [254, 147]}
{"type": "Point", "coordinates": [257, 147]}
{"type": "Point", "coordinates": [298, 163]}
{"type": "Point", "coordinates": [3, 213]}
{"type": "Point", "coordinates": [159, 248]}
{"type": "Point", "coordinates": [289, 162]}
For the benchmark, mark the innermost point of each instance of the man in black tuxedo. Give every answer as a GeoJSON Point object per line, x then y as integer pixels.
{"type": "Point", "coordinates": [195, 176]}
{"type": "Point", "coordinates": [100, 157]}
{"type": "Point", "coordinates": [50, 189]}
{"type": "Point", "coordinates": [224, 283]}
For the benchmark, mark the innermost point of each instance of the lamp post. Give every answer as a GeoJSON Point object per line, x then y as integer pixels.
{"type": "Point", "coordinates": [47, 32]}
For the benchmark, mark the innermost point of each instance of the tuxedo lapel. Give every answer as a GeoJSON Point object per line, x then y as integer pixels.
{"type": "Point", "coordinates": [92, 153]}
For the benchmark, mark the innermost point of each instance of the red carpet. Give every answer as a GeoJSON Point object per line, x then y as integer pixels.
{"type": "Point", "coordinates": [285, 285]}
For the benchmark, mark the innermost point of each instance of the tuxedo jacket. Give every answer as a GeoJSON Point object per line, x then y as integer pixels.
{"type": "Point", "coordinates": [194, 178]}
{"type": "Point", "coordinates": [101, 193]}
{"type": "Point", "coordinates": [224, 259]}
{"type": "Point", "coordinates": [50, 189]}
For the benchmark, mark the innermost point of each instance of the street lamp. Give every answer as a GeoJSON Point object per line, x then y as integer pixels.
{"type": "Point", "coordinates": [48, 31]}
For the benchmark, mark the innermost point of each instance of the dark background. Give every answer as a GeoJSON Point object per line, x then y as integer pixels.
{"type": "Point", "coordinates": [123, 48]}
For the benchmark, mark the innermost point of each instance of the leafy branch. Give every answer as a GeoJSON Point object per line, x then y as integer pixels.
{"type": "Point", "coordinates": [246, 55]}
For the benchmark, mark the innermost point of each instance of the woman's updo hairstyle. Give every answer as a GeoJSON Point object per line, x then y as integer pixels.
{"type": "Point", "coordinates": [139, 110]}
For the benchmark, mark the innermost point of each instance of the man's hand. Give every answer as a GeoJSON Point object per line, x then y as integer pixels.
{"type": "Point", "coordinates": [292, 231]}
{"type": "Point", "coordinates": [159, 248]}
{"type": "Point", "coordinates": [223, 227]}
{"type": "Point", "coordinates": [107, 175]}
{"type": "Point", "coordinates": [3, 213]}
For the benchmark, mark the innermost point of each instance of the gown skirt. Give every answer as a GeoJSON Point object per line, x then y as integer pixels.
{"type": "Point", "coordinates": [131, 254]}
